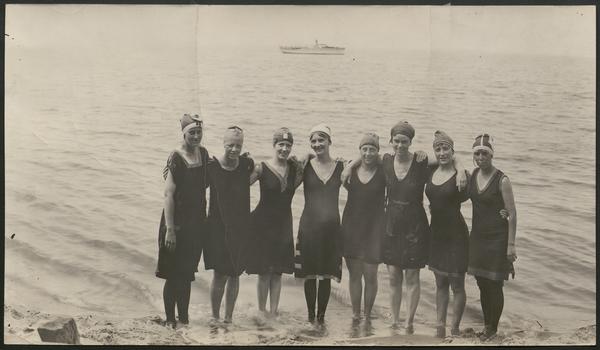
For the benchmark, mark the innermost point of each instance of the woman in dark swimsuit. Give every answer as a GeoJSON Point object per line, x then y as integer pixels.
{"type": "Point", "coordinates": [406, 241]}
{"type": "Point", "coordinates": [318, 246]}
{"type": "Point", "coordinates": [362, 225]}
{"type": "Point", "coordinates": [492, 241]}
{"type": "Point", "coordinates": [182, 224]}
{"type": "Point", "coordinates": [272, 244]}
{"type": "Point", "coordinates": [448, 256]}
{"type": "Point", "coordinates": [229, 222]}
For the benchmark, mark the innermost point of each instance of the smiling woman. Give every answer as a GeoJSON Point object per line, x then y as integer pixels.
{"type": "Point", "coordinates": [228, 221]}
{"type": "Point", "coordinates": [272, 246]}
{"type": "Point", "coordinates": [183, 219]}
{"type": "Point", "coordinates": [318, 248]}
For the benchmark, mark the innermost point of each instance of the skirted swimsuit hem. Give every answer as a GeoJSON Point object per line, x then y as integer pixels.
{"type": "Point", "coordinates": [277, 270]}
{"type": "Point", "coordinates": [492, 275]}
{"type": "Point", "coordinates": [447, 274]}
{"type": "Point", "coordinates": [363, 259]}
{"type": "Point", "coordinates": [319, 277]}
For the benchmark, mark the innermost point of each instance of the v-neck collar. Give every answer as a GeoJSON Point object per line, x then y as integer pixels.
{"type": "Point", "coordinates": [443, 183]}
{"type": "Point", "coordinates": [487, 184]}
{"type": "Point", "coordinates": [282, 179]}
{"type": "Point", "coordinates": [328, 177]}
{"type": "Point", "coordinates": [370, 179]}
{"type": "Point", "coordinates": [410, 167]}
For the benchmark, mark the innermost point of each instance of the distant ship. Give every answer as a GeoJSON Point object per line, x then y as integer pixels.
{"type": "Point", "coordinates": [317, 49]}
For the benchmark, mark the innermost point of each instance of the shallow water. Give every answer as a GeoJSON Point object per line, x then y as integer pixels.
{"type": "Point", "coordinates": [87, 136]}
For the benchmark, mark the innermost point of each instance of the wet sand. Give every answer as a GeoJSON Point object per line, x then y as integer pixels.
{"type": "Point", "coordinates": [290, 327]}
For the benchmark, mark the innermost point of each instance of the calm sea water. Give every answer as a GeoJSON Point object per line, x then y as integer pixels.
{"type": "Point", "coordinates": [88, 134]}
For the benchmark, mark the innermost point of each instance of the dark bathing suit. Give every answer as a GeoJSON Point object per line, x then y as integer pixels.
{"type": "Point", "coordinates": [449, 233]}
{"type": "Point", "coordinates": [228, 217]}
{"type": "Point", "coordinates": [272, 243]}
{"type": "Point", "coordinates": [363, 218]}
{"type": "Point", "coordinates": [489, 235]}
{"type": "Point", "coordinates": [190, 219]}
{"type": "Point", "coordinates": [319, 234]}
{"type": "Point", "coordinates": [406, 239]}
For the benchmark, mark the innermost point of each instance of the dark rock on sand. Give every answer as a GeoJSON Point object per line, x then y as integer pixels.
{"type": "Point", "coordinates": [59, 330]}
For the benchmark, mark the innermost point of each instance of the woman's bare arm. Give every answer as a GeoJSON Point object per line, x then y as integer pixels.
{"type": "Point", "coordinates": [256, 173]}
{"type": "Point", "coordinates": [170, 239]}
{"type": "Point", "coordinates": [509, 205]}
{"type": "Point", "coordinates": [461, 174]}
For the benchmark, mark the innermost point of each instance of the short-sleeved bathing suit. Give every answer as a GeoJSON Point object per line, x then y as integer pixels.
{"type": "Point", "coordinates": [189, 220]}
{"type": "Point", "coordinates": [229, 227]}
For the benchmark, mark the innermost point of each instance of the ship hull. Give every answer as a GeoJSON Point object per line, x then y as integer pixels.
{"type": "Point", "coordinates": [310, 51]}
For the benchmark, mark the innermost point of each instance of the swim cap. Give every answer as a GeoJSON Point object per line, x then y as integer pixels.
{"type": "Point", "coordinates": [190, 121]}
{"type": "Point", "coordinates": [322, 128]}
{"type": "Point", "coordinates": [484, 142]}
{"type": "Point", "coordinates": [283, 134]}
{"type": "Point", "coordinates": [234, 132]}
{"type": "Point", "coordinates": [441, 138]}
{"type": "Point", "coordinates": [403, 128]}
{"type": "Point", "coordinates": [369, 139]}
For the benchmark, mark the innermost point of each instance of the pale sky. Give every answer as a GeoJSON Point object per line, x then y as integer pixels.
{"type": "Point", "coordinates": [562, 30]}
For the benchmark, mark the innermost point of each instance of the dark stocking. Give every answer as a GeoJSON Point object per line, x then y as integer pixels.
{"type": "Point", "coordinates": [323, 298]}
{"type": "Point", "coordinates": [496, 304]}
{"type": "Point", "coordinates": [183, 300]}
{"type": "Point", "coordinates": [310, 293]}
{"type": "Point", "coordinates": [169, 299]}
{"type": "Point", "coordinates": [492, 301]}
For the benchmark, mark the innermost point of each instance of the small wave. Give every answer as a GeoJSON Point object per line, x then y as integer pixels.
{"type": "Point", "coordinates": [582, 96]}
{"type": "Point", "coordinates": [111, 285]}
{"type": "Point", "coordinates": [493, 111]}
{"type": "Point", "coordinates": [572, 181]}
{"type": "Point", "coordinates": [112, 248]}
{"type": "Point", "coordinates": [25, 197]}
{"type": "Point", "coordinates": [115, 133]}
{"type": "Point", "coordinates": [79, 166]}
{"type": "Point", "coordinates": [566, 210]}
{"type": "Point", "coordinates": [46, 206]}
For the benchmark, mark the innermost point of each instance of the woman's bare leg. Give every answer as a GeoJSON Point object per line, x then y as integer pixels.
{"type": "Point", "coordinates": [231, 294]}
{"type": "Point", "coordinates": [370, 273]}
{"type": "Point", "coordinates": [395, 276]}
{"type": "Point", "coordinates": [413, 291]}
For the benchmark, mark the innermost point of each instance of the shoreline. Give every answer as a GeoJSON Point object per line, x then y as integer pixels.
{"type": "Point", "coordinates": [20, 327]}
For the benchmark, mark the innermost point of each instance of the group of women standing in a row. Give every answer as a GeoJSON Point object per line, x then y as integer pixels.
{"type": "Point", "coordinates": [383, 221]}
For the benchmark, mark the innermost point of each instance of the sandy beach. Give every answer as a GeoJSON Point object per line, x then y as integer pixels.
{"type": "Point", "coordinates": [289, 328]}
{"type": "Point", "coordinates": [20, 328]}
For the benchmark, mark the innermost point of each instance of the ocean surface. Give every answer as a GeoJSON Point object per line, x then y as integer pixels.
{"type": "Point", "coordinates": [88, 134]}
